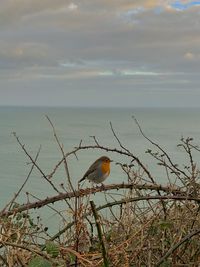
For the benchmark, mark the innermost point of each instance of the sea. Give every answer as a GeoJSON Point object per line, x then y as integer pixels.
{"type": "Point", "coordinates": [164, 126]}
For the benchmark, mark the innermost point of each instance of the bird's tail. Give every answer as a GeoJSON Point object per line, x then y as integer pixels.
{"type": "Point", "coordinates": [82, 179]}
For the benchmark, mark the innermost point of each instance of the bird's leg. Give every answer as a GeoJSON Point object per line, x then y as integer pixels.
{"type": "Point", "coordinates": [93, 185]}
{"type": "Point", "coordinates": [96, 186]}
{"type": "Point", "coordinates": [102, 186]}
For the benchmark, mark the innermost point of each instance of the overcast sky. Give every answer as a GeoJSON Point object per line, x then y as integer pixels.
{"type": "Point", "coordinates": [100, 53]}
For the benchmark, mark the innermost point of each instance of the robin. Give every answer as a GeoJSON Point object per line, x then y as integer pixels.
{"type": "Point", "coordinates": [98, 171]}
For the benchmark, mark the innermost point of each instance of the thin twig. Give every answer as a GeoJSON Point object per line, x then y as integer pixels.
{"type": "Point", "coordinates": [63, 154]}
{"type": "Point", "coordinates": [160, 148]}
{"type": "Point", "coordinates": [34, 163]}
{"type": "Point", "coordinates": [24, 183]}
{"type": "Point", "coordinates": [172, 249]}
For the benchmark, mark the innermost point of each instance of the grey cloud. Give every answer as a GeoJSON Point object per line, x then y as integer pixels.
{"type": "Point", "coordinates": [24, 55]}
{"type": "Point", "coordinates": [153, 42]}
{"type": "Point", "coordinates": [14, 11]}
{"type": "Point", "coordinates": [46, 44]}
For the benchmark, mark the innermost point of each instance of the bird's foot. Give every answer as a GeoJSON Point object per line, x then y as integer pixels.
{"type": "Point", "coordinates": [102, 186]}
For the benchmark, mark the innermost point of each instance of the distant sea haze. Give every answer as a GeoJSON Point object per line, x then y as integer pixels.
{"type": "Point", "coordinates": [162, 125]}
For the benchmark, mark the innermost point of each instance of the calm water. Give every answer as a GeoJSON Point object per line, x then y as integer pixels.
{"type": "Point", "coordinates": [165, 126]}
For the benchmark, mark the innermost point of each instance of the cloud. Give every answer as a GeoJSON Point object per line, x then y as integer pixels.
{"type": "Point", "coordinates": [112, 44]}
{"type": "Point", "coordinates": [105, 68]}
{"type": "Point", "coordinates": [87, 32]}
{"type": "Point", "coordinates": [14, 11]}
{"type": "Point", "coordinates": [189, 56]}
{"type": "Point", "coordinates": [72, 6]}
{"type": "Point", "coordinates": [24, 54]}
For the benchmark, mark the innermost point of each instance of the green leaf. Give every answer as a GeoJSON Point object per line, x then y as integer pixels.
{"type": "Point", "coordinates": [52, 249]}
{"type": "Point", "coordinates": [166, 264]}
{"type": "Point", "coordinates": [39, 262]}
{"type": "Point", "coordinates": [165, 224]}
{"type": "Point", "coordinates": [72, 258]}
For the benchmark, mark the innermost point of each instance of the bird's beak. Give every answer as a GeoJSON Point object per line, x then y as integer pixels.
{"type": "Point", "coordinates": [111, 160]}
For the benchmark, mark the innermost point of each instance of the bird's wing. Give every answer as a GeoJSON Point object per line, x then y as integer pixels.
{"type": "Point", "coordinates": [92, 168]}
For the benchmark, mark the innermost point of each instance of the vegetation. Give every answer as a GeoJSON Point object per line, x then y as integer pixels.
{"type": "Point", "coordinates": [142, 223]}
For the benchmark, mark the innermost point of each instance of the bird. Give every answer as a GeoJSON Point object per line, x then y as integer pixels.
{"type": "Point", "coordinates": [98, 171]}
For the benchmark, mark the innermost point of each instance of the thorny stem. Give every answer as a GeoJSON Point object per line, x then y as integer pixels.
{"type": "Point", "coordinates": [88, 191]}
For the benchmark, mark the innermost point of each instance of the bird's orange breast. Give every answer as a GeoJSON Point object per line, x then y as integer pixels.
{"type": "Point", "coordinates": [105, 167]}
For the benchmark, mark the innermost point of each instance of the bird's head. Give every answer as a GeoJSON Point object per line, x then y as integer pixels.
{"type": "Point", "coordinates": [105, 159]}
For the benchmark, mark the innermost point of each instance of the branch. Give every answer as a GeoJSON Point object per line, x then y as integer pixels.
{"type": "Point", "coordinates": [159, 147]}
{"type": "Point", "coordinates": [172, 249]}
{"type": "Point", "coordinates": [63, 154]}
{"type": "Point", "coordinates": [100, 235]}
{"type": "Point", "coordinates": [121, 202]}
{"type": "Point", "coordinates": [24, 183]}
{"type": "Point", "coordinates": [178, 195]}
{"type": "Point", "coordinates": [125, 153]}
{"type": "Point", "coordinates": [34, 163]}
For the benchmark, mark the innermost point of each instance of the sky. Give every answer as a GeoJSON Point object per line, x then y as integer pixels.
{"type": "Point", "coordinates": [104, 53]}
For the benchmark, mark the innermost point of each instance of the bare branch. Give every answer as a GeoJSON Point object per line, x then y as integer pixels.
{"type": "Point", "coordinates": [159, 147]}
{"type": "Point", "coordinates": [34, 163]}
{"type": "Point", "coordinates": [63, 154]}
{"type": "Point", "coordinates": [178, 194]}
{"type": "Point", "coordinates": [24, 183]}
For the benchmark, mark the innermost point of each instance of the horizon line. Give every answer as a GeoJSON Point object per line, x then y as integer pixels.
{"type": "Point", "coordinates": [97, 107]}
